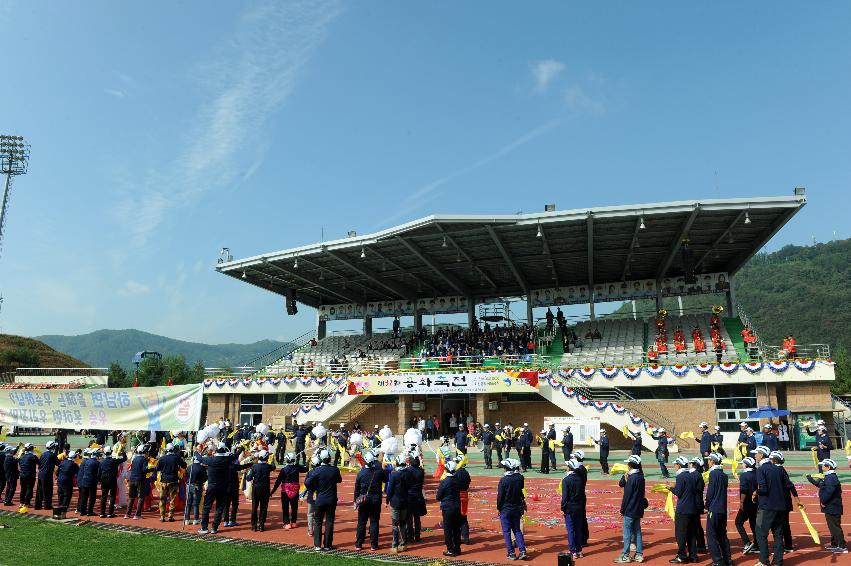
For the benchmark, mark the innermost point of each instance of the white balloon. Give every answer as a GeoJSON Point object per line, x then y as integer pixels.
{"type": "Point", "coordinates": [355, 439]}
{"type": "Point", "coordinates": [319, 431]}
{"type": "Point", "coordinates": [390, 445]}
{"type": "Point", "coordinates": [262, 428]}
{"type": "Point", "coordinates": [385, 433]}
{"type": "Point", "coordinates": [213, 431]}
{"type": "Point", "coordinates": [413, 437]}
{"type": "Point", "coordinates": [201, 436]}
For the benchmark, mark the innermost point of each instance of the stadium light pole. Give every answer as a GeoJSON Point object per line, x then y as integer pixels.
{"type": "Point", "coordinates": [14, 158]}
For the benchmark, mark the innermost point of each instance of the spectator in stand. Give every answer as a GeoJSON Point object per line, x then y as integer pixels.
{"type": "Point", "coordinates": [313, 342]}
{"type": "Point", "coordinates": [783, 436]}
{"type": "Point", "coordinates": [749, 339]}
{"type": "Point", "coordinates": [653, 354]}
{"type": "Point", "coordinates": [550, 318]}
{"type": "Point", "coordinates": [790, 350]}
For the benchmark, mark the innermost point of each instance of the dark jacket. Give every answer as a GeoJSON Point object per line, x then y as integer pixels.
{"type": "Point", "coordinates": [509, 494]}
{"type": "Point", "coordinates": [567, 443]}
{"type": "Point", "coordinates": [632, 504]}
{"type": "Point", "coordinates": [139, 468]}
{"type": "Point", "coordinates": [449, 494]}
{"type": "Point", "coordinates": [397, 489]}
{"type": "Point", "coordinates": [369, 483]}
{"type": "Point", "coordinates": [88, 474]}
{"type": "Point", "coordinates": [196, 474]}
{"type": "Point", "coordinates": [463, 477]}
{"type": "Point", "coordinates": [697, 478]}
{"type": "Point", "coordinates": [46, 464]}
{"type": "Point", "coordinates": [769, 441]}
{"type": "Point", "coordinates": [416, 500]}
{"type": "Point", "coordinates": [218, 472]}
{"type": "Point", "coordinates": [829, 493]}
{"type": "Point", "coordinates": [487, 438]}
{"type": "Point", "coordinates": [604, 446]}
{"type": "Point", "coordinates": [324, 482]}
{"type": "Point", "coordinates": [300, 438]}
{"type": "Point", "coordinates": [169, 467]}
{"type": "Point", "coordinates": [770, 487]}
{"type": "Point", "coordinates": [686, 491]}
{"type": "Point", "coordinates": [572, 493]}
{"type": "Point", "coordinates": [461, 439]}
{"type": "Point", "coordinates": [790, 491]}
{"type": "Point", "coordinates": [261, 474]}
{"type": "Point", "coordinates": [747, 487]}
{"type": "Point", "coordinates": [716, 493]}
{"type": "Point", "coordinates": [233, 473]}
{"type": "Point", "coordinates": [636, 445]}
{"type": "Point", "coordinates": [705, 442]}
{"type": "Point", "coordinates": [27, 465]}
{"type": "Point", "coordinates": [289, 474]}
{"type": "Point", "coordinates": [67, 472]}
{"type": "Point", "coordinates": [108, 471]}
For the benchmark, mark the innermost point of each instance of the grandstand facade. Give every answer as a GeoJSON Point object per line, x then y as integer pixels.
{"type": "Point", "coordinates": [642, 370]}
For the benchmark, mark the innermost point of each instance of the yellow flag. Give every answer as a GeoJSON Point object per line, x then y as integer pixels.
{"type": "Point", "coordinates": [619, 469]}
{"type": "Point", "coordinates": [847, 445]}
{"type": "Point", "coordinates": [669, 505]}
{"type": "Point", "coordinates": [813, 532]}
{"type": "Point", "coordinates": [687, 434]}
{"type": "Point", "coordinates": [815, 458]}
{"type": "Point", "coordinates": [625, 431]}
{"type": "Point", "coordinates": [660, 488]}
{"type": "Point", "coordinates": [705, 477]}
{"type": "Point", "coordinates": [732, 463]}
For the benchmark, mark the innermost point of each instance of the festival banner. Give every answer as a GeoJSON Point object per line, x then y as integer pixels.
{"type": "Point", "coordinates": [486, 382]}
{"type": "Point", "coordinates": [176, 407]}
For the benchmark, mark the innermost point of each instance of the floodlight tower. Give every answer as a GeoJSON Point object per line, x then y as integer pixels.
{"type": "Point", "coordinates": [14, 157]}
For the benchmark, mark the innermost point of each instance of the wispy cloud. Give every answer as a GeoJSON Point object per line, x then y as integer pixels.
{"type": "Point", "coordinates": [134, 289]}
{"type": "Point", "coordinates": [578, 100]}
{"type": "Point", "coordinates": [115, 92]}
{"type": "Point", "coordinates": [429, 191]}
{"type": "Point", "coordinates": [271, 44]}
{"type": "Point", "coordinates": [544, 72]}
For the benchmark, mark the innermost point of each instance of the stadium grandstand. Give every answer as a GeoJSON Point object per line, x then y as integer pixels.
{"type": "Point", "coordinates": [470, 273]}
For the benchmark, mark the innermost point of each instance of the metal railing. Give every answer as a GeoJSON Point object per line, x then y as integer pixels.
{"type": "Point", "coordinates": [802, 351]}
{"type": "Point", "coordinates": [279, 353]}
{"type": "Point", "coordinates": [477, 361]}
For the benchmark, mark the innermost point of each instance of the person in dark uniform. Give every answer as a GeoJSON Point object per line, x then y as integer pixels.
{"type": "Point", "coordinates": [416, 499]}
{"type": "Point", "coordinates": [705, 443]}
{"type": "Point", "coordinates": [65, 475]}
{"type": "Point", "coordinates": [234, 487]}
{"type": "Point", "coordinates": [300, 442]}
{"type": "Point", "coordinates": [461, 439]}
{"type": "Point", "coordinates": [771, 507]}
{"type": "Point", "coordinates": [197, 477]}
{"type": "Point", "coordinates": [823, 445]}
{"type": "Point", "coordinates": [750, 441]}
{"type": "Point", "coordinates": [2, 468]}
{"type": "Point", "coordinates": [499, 442]}
{"type": "Point", "coordinates": [830, 501]}
{"type": "Point", "coordinates": [289, 477]}
{"type": "Point", "coordinates": [718, 442]}
{"type": "Point", "coordinates": [397, 499]}
{"type": "Point", "coordinates": [551, 440]}
{"type": "Point", "coordinates": [661, 437]}
{"type": "Point", "coordinates": [545, 453]}
{"type": "Point", "coordinates": [138, 484]}
{"type": "Point", "coordinates": [567, 444]}
{"type": "Point", "coordinates": [10, 466]}
{"type": "Point", "coordinates": [511, 505]}
{"type": "Point", "coordinates": [685, 490]}
{"type": "Point", "coordinates": [367, 494]}
{"type": "Point", "coordinates": [462, 476]}
{"type": "Point", "coordinates": [260, 474]}
{"type": "Point", "coordinates": [632, 509]}
{"type": "Point", "coordinates": [280, 446]}
{"type": "Point", "coordinates": [747, 505]}
{"type": "Point", "coordinates": [743, 435]}
{"type": "Point", "coordinates": [27, 472]}
{"type": "Point", "coordinates": [778, 460]}
{"type": "Point", "coordinates": [218, 482]}
{"type": "Point", "coordinates": [324, 484]}
{"type": "Point", "coordinates": [604, 450]}
{"type": "Point", "coordinates": [573, 508]}
{"type": "Point", "coordinates": [487, 446]}
{"type": "Point", "coordinates": [697, 476]}
{"type": "Point", "coordinates": [169, 467]}
{"type": "Point", "coordinates": [526, 436]}
{"type": "Point", "coordinates": [449, 495]}
{"type": "Point", "coordinates": [769, 440]}
{"type": "Point", "coordinates": [46, 466]}
{"type": "Point", "coordinates": [636, 443]}
{"type": "Point", "coordinates": [87, 483]}
{"type": "Point", "coordinates": [716, 512]}
{"type": "Point", "coordinates": [61, 439]}
{"type": "Point", "coordinates": [108, 477]}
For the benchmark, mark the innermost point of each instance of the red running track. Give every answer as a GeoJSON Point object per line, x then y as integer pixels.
{"type": "Point", "coordinates": [545, 533]}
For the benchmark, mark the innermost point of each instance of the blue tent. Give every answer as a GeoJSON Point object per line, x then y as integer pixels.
{"type": "Point", "coordinates": [768, 413]}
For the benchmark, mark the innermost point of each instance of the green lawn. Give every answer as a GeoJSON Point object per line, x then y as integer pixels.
{"type": "Point", "coordinates": [39, 542]}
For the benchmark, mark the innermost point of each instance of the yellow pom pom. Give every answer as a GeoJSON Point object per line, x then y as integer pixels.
{"type": "Point", "coordinates": [24, 509]}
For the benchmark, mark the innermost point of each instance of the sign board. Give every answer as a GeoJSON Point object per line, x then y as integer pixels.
{"type": "Point", "coordinates": [583, 429]}
{"type": "Point", "coordinates": [483, 382]}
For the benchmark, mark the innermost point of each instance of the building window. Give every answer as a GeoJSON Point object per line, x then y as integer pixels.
{"type": "Point", "coordinates": [733, 404]}
{"type": "Point", "coordinates": [251, 409]}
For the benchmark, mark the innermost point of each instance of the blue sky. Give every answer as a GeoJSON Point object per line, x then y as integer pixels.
{"type": "Point", "coordinates": [161, 135]}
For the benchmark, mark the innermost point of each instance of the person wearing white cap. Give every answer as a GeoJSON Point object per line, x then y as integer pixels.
{"type": "Point", "coordinates": [685, 489]}
{"type": "Point", "coordinates": [830, 500]}
{"type": "Point", "coordinates": [47, 463]}
{"type": "Point", "coordinates": [705, 441]}
{"type": "Point", "coordinates": [511, 504]}
{"type": "Point", "coordinates": [27, 472]}
{"type": "Point", "coordinates": [716, 512]}
{"type": "Point", "coordinates": [632, 508]}
{"type": "Point", "coordinates": [396, 493]}
{"type": "Point", "coordinates": [573, 502]}
{"type": "Point", "coordinates": [768, 438]}
{"type": "Point", "coordinates": [771, 506]}
{"type": "Point", "coordinates": [524, 445]}
{"type": "Point", "coordinates": [778, 459]}
{"type": "Point", "coordinates": [750, 442]}
{"type": "Point", "coordinates": [260, 474]}
{"type": "Point", "coordinates": [487, 445]}
{"type": "Point", "coordinates": [603, 442]}
{"type": "Point", "coordinates": [169, 467]}
{"type": "Point", "coordinates": [696, 469]}
{"type": "Point", "coordinates": [449, 496]}
{"type": "Point", "coordinates": [718, 442]}
{"type": "Point", "coordinates": [747, 505]}
{"type": "Point", "coordinates": [823, 444]}
{"type": "Point", "coordinates": [661, 437]}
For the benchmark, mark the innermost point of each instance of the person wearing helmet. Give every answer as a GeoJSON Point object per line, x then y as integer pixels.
{"type": "Point", "coordinates": [218, 482]}
{"type": "Point", "coordinates": [777, 459]}
{"type": "Point", "coordinates": [289, 477]}
{"type": "Point", "coordinates": [771, 507]}
{"type": "Point", "coordinates": [138, 484]}
{"type": "Point", "coordinates": [87, 484]}
{"type": "Point", "coordinates": [603, 442]}
{"type": "Point", "coordinates": [716, 512]}
{"type": "Point", "coordinates": [573, 502]}
{"type": "Point", "coordinates": [367, 494]}
{"type": "Point", "coordinates": [324, 484]}
{"type": "Point", "coordinates": [397, 499]}
{"type": "Point", "coordinates": [300, 443]}
{"type": "Point", "coordinates": [66, 472]}
{"type": "Point", "coordinates": [197, 476]}
{"type": "Point", "coordinates": [260, 474]}
{"type": "Point", "coordinates": [27, 471]}
{"type": "Point", "coordinates": [769, 440]}
{"type": "Point", "coordinates": [280, 445]}
{"type": "Point", "coordinates": [696, 470]}
{"type": "Point", "coordinates": [524, 442]}
{"type": "Point", "coordinates": [169, 466]}
{"type": "Point", "coordinates": [449, 495]}
{"type": "Point", "coordinates": [416, 499]}
{"type": "Point", "coordinates": [567, 444]}
{"type": "Point", "coordinates": [462, 476]}
{"type": "Point", "coordinates": [747, 505]}
{"type": "Point", "coordinates": [234, 485]}
{"type": "Point", "coordinates": [632, 509]}
{"type": "Point", "coordinates": [823, 445]}
{"type": "Point", "coordinates": [487, 445]}
{"type": "Point", "coordinates": [10, 466]}
{"type": "Point", "coordinates": [461, 439]}
{"type": "Point", "coordinates": [718, 442]}
{"type": "Point", "coordinates": [662, 453]}
{"type": "Point", "coordinates": [685, 489]}
{"type": "Point", "coordinates": [705, 441]}
{"type": "Point", "coordinates": [46, 465]}
{"type": "Point", "coordinates": [310, 495]}
{"type": "Point", "coordinates": [108, 477]}
{"type": "Point", "coordinates": [511, 504]}
{"type": "Point", "coordinates": [830, 500]}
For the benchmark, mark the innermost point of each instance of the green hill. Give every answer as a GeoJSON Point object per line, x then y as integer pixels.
{"type": "Point", "coordinates": [18, 351]}
{"type": "Point", "coordinates": [102, 347]}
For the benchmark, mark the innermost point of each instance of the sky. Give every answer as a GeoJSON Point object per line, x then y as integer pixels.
{"type": "Point", "coordinates": [162, 132]}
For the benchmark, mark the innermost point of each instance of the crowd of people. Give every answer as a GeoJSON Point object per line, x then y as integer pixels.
{"type": "Point", "coordinates": [220, 463]}
{"type": "Point", "coordinates": [659, 350]}
{"type": "Point", "coordinates": [475, 344]}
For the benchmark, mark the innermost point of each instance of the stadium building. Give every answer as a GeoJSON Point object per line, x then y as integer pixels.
{"type": "Point", "coordinates": [471, 269]}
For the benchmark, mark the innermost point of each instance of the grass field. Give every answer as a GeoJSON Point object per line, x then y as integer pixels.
{"type": "Point", "coordinates": [30, 541]}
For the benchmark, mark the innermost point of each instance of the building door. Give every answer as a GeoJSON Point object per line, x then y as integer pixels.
{"type": "Point", "coordinates": [453, 405]}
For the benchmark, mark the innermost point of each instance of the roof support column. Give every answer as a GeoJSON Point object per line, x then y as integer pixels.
{"type": "Point", "coordinates": [367, 326]}
{"type": "Point", "coordinates": [529, 320]}
{"type": "Point", "coordinates": [658, 298]}
{"type": "Point", "coordinates": [321, 328]}
{"type": "Point", "coordinates": [471, 312]}
{"type": "Point", "coordinates": [731, 297]}
{"type": "Point", "coordinates": [418, 322]}
{"type": "Point", "coordinates": [591, 306]}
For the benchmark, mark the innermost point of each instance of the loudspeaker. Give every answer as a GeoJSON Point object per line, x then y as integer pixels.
{"type": "Point", "coordinates": [290, 301]}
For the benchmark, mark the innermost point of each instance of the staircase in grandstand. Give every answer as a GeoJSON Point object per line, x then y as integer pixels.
{"type": "Point", "coordinates": [619, 396]}
{"type": "Point", "coordinates": [258, 364]}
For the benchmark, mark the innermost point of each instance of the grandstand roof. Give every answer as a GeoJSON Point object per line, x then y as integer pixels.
{"type": "Point", "coordinates": [493, 256]}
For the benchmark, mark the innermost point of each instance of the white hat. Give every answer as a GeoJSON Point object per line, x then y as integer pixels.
{"type": "Point", "coordinates": [743, 424]}
{"type": "Point", "coordinates": [717, 427]}
{"type": "Point", "coordinates": [263, 454]}
{"type": "Point", "coordinates": [368, 456]}
{"type": "Point", "coordinates": [749, 462]}
{"type": "Point", "coordinates": [697, 460]}
{"type": "Point", "coordinates": [451, 466]}
{"type": "Point", "coordinates": [140, 449]}
{"type": "Point", "coordinates": [681, 461]}
{"type": "Point", "coordinates": [401, 460]}
{"type": "Point", "coordinates": [820, 422]}
{"type": "Point", "coordinates": [487, 425]}
{"type": "Point", "coordinates": [704, 424]}
{"type": "Point", "coordinates": [289, 458]}
{"type": "Point", "coordinates": [716, 457]}
{"type": "Point", "coordinates": [573, 464]}
{"type": "Point", "coordinates": [829, 463]}
{"type": "Point", "coordinates": [767, 427]}
{"type": "Point", "coordinates": [579, 455]}
{"type": "Point", "coordinates": [762, 450]}
{"type": "Point", "coordinates": [776, 455]}
{"type": "Point", "coordinates": [634, 459]}
{"type": "Point", "coordinates": [660, 430]}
